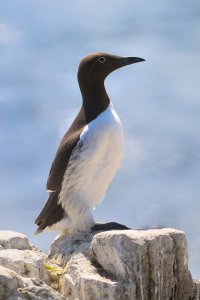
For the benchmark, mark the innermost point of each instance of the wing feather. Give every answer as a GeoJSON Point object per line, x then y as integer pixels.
{"type": "Point", "coordinates": [51, 213]}
{"type": "Point", "coordinates": [64, 152]}
{"type": "Point", "coordinates": [48, 208]}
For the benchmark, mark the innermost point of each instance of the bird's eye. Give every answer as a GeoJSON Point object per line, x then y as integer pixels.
{"type": "Point", "coordinates": [101, 59]}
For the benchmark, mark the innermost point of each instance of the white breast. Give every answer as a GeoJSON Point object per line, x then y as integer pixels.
{"type": "Point", "coordinates": [93, 163]}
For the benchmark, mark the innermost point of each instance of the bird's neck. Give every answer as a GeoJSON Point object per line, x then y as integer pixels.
{"type": "Point", "coordinates": [95, 99]}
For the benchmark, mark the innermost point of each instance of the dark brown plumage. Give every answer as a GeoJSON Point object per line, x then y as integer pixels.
{"type": "Point", "coordinates": [92, 72]}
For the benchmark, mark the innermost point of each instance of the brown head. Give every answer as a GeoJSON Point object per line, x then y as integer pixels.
{"type": "Point", "coordinates": [93, 70]}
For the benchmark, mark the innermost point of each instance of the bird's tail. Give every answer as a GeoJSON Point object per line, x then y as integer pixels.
{"type": "Point", "coordinates": [51, 213]}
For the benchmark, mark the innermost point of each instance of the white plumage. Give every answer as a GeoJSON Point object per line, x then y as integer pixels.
{"type": "Point", "coordinates": [91, 168]}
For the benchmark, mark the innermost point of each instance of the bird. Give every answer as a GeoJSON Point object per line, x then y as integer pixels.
{"type": "Point", "coordinates": [89, 154]}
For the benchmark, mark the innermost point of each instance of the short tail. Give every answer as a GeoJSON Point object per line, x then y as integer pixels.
{"type": "Point", "coordinates": [51, 213]}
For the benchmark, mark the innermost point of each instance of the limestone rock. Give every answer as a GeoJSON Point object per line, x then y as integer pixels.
{"type": "Point", "coordinates": [155, 260]}
{"type": "Point", "coordinates": [8, 282]}
{"type": "Point", "coordinates": [35, 289]}
{"type": "Point", "coordinates": [13, 240]}
{"type": "Point", "coordinates": [64, 247]}
{"type": "Point", "coordinates": [22, 271]}
{"type": "Point", "coordinates": [128, 264]}
{"type": "Point", "coordinates": [112, 265]}
{"type": "Point", "coordinates": [15, 287]}
{"type": "Point", "coordinates": [25, 263]}
{"type": "Point", "coordinates": [196, 295]}
{"type": "Point", "coordinates": [81, 280]}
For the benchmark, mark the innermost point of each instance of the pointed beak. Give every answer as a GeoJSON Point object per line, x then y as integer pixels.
{"type": "Point", "coordinates": [130, 60]}
{"type": "Point", "coordinates": [119, 62]}
{"type": "Point", "coordinates": [124, 61]}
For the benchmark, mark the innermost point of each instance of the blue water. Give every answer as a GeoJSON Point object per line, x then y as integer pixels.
{"type": "Point", "coordinates": [41, 44]}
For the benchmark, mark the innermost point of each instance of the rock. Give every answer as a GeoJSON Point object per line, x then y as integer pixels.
{"type": "Point", "coordinates": [112, 265]}
{"type": "Point", "coordinates": [25, 263]}
{"type": "Point", "coordinates": [22, 270]}
{"type": "Point", "coordinates": [35, 289]}
{"type": "Point", "coordinates": [13, 240]}
{"type": "Point", "coordinates": [196, 295]}
{"type": "Point", "coordinates": [130, 264]}
{"type": "Point", "coordinates": [8, 282]}
{"type": "Point", "coordinates": [15, 287]}
{"type": "Point", "coordinates": [155, 260]}
{"type": "Point", "coordinates": [64, 247]}
{"type": "Point", "coordinates": [82, 281]}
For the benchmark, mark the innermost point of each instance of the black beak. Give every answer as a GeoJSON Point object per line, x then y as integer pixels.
{"type": "Point", "coordinates": [119, 62]}
{"type": "Point", "coordinates": [130, 60]}
{"type": "Point", "coordinates": [124, 61]}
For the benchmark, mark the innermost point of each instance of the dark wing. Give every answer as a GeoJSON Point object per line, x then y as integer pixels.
{"type": "Point", "coordinates": [53, 212]}
{"type": "Point", "coordinates": [63, 154]}
{"type": "Point", "coordinates": [61, 160]}
{"type": "Point", "coordinates": [68, 143]}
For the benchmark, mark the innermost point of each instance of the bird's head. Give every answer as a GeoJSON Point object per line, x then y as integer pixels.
{"type": "Point", "coordinates": [96, 67]}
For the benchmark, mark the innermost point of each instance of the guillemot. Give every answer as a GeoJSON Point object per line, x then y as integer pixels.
{"type": "Point", "coordinates": [89, 153]}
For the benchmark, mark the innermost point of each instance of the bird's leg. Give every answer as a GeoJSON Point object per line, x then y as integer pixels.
{"type": "Point", "coordinates": [109, 226]}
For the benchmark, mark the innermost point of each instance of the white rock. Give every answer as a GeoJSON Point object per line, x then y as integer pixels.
{"type": "Point", "coordinates": [64, 247]}
{"type": "Point", "coordinates": [15, 287]}
{"type": "Point", "coordinates": [13, 240]}
{"type": "Point", "coordinates": [82, 281]}
{"type": "Point", "coordinates": [35, 289]}
{"type": "Point", "coordinates": [197, 290]}
{"type": "Point", "coordinates": [113, 265]}
{"type": "Point", "coordinates": [26, 263]}
{"type": "Point", "coordinates": [155, 260]}
{"type": "Point", "coordinates": [151, 264]}
{"type": "Point", "coordinates": [8, 282]}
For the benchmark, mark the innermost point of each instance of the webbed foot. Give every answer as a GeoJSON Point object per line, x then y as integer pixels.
{"type": "Point", "coordinates": [109, 226]}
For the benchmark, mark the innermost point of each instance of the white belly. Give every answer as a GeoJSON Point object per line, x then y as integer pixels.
{"type": "Point", "coordinates": [93, 163]}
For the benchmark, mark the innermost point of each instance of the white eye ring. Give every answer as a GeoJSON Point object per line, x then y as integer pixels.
{"type": "Point", "coordinates": [101, 59]}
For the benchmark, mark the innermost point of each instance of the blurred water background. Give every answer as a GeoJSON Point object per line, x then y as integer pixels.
{"type": "Point", "coordinates": [41, 44]}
